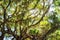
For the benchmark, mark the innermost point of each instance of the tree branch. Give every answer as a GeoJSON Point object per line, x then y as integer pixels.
{"type": "Point", "coordinates": [8, 3]}
{"type": "Point", "coordinates": [53, 29]}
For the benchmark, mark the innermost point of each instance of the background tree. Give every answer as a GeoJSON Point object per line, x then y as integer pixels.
{"type": "Point", "coordinates": [29, 20]}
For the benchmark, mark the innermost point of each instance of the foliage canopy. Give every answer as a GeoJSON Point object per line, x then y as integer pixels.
{"type": "Point", "coordinates": [30, 19]}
